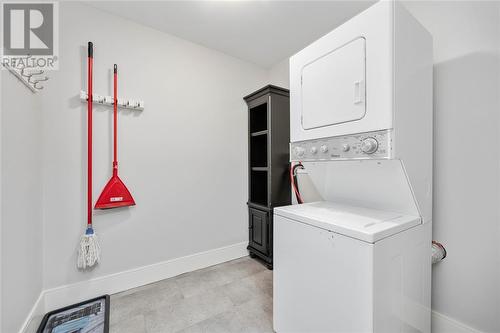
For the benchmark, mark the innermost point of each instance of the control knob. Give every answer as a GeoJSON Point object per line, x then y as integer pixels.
{"type": "Point", "coordinates": [299, 151]}
{"type": "Point", "coordinates": [369, 145]}
{"type": "Point", "coordinates": [314, 150]}
{"type": "Point", "coordinates": [324, 148]}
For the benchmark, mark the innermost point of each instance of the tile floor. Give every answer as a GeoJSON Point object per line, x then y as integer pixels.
{"type": "Point", "coordinates": [231, 297]}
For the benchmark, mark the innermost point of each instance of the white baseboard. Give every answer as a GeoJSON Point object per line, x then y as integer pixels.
{"type": "Point", "coordinates": [445, 324]}
{"type": "Point", "coordinates": [51, 299]}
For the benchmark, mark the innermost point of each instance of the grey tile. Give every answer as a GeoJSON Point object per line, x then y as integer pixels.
{"type": "Point", "coordinates": [187, 312]}
{"type": "Point", "coordinates": [262, 305]}
{"type": "Point", "coordinates": [195, 283]}
{"type": "Point", "coordinates": [134, 324]}
{"type": "Point", "coordinates": [256, 314]}
{"type": "Point", "coordinates": [237, 270]}
{"type": "Point", "coordinates": [199, 281]}
{"type": "Point", "coordinates": [141, 301]}
{"type": "Point", "coordinates": [244, 267]}
{"type": "Point", "coordinates": [261, 282]}
{"type": "Point", "coordinates": [216, 275]}
{"type": "Point", "coordinates": [251, 287]}
{"type": "Point", "coordinates": [170, 318]}
{"type": "Point", "coordinates": [230, 297]}
{"type": "Point", "coordinates": [209, 303]}
{"type": "Point", "coordinates": [196, 328]}
{"type": "Point", "coordinates": [226, 322]}
{"type": "Point", "coordinates": [237, 292]}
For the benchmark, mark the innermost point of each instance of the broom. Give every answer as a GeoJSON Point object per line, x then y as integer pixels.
{"type": "Point", "coordinates": [89, 251]}
{"type": "Point", "coordinates": [115, 194]}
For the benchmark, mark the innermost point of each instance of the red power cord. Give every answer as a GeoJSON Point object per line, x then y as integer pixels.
{"type": "Point", "coordinates": [292, 181]}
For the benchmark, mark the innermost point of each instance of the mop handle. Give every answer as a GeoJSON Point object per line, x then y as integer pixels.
{"type": "Point", "coordinates": [89, 136]}
{"type": "Point", "coordinates": [115, 120]}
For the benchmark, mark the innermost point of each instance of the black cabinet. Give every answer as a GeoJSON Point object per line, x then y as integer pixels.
{"type": "Point", "coordinates": [268, 157]}
{"type": "Point", "coordinates": [258, 230]}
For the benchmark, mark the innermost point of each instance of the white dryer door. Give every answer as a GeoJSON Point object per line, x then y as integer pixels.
{"type": "Point", "coordinates": [333, 87]}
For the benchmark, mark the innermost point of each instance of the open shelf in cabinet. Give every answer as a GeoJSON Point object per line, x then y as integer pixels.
{"type": "Point", "coordinates": [258, 151]}
{"type": "Point", "coordinates": [258, 187]}
{"type": "Point", "coordinates": [258, 118]}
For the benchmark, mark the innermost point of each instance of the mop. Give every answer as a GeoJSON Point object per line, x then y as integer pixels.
{"type": "Point", "coordinates": [89, 251]}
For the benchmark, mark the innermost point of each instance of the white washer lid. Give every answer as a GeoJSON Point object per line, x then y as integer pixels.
{"type": "Point", "coordinates": [369, 225]}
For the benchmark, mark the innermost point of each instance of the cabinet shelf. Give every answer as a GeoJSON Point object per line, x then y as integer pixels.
{"type": "Point", "coordinates": [258, 206]}
{"type": "Point", "coordinates": [259, 133]}
{"type": "Point", "coordinates": [259, 169]}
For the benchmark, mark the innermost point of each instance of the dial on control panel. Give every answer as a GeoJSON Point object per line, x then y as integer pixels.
{"type": "Point", "coordinates": [299, 151]}
{"type": "Point", "coordinates": [369, 145]}
{"type": "Point", "coordinates": [324, 148]}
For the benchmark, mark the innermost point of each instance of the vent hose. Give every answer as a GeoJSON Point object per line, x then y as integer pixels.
{"type": "Point", "coordinates": [438, 252]}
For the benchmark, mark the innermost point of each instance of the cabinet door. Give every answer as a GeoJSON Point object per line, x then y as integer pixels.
{"type": "Point", "coordinates": [259, 230]}
{"type": "Point", "coordinates": [333, 87]}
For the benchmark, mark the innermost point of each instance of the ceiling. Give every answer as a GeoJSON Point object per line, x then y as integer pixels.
{"type": "Point", "coordinates": [261, 32]}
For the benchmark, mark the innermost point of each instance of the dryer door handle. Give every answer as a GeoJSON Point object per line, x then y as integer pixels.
{"type": "Point", "coordinates": [359, 92]}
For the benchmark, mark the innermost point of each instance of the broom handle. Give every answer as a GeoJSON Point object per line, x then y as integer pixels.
{"type": "Point", "coordinates": [115, 121]}
{"type": "Point", "coordinates": [89, 136]}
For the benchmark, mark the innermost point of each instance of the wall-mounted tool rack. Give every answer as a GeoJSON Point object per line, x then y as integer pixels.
{"type": "Point", "coordinates": [130, 104]}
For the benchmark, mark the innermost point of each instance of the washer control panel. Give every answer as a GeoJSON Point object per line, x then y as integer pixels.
{"type": "Point", "coordinates": [370, 145]}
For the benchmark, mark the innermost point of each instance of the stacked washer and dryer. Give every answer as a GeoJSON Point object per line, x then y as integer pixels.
{"type": "Point", "coordinates": [357, 256]}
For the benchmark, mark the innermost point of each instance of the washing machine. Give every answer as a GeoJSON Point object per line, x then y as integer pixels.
{"type": "Point", "coordinates": [348, 268]}
{"type": "Point", "coordinates": [356, 256]}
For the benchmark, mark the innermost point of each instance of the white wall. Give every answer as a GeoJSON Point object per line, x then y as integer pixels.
{"type": "Point", "coordinates": [183, 158]}
{"type": "Point", "coordinates": [279, 74]}
{"type": "Point", "coordinates": [21, 204]}
{"type": "Point", "coordinates": [466, 286]}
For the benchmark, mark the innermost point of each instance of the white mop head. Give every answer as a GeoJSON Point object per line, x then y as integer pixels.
{"type": "Point", "coordinates": [89, 251]}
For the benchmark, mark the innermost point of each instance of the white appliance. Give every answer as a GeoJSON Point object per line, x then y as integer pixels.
{"type": "Point", "coordinates": [359, 260]}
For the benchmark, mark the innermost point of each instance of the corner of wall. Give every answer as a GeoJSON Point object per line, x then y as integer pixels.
{"type": "Point", "coordinates": [279, 75]}
{"type": "Point", "coordinates": [20, 270]}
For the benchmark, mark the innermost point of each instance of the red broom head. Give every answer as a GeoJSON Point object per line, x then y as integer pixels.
{"type": "Point", "coordinates": [115, 194]}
